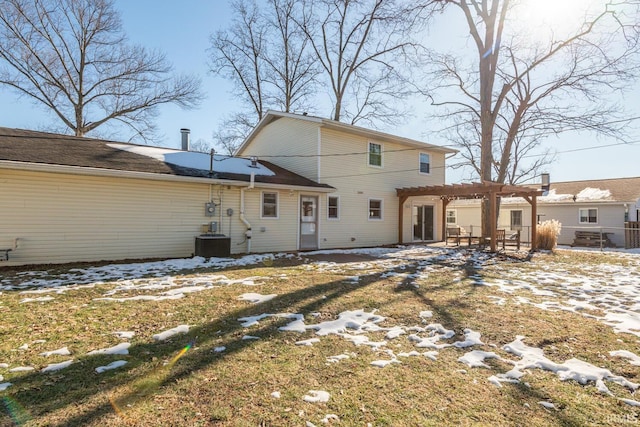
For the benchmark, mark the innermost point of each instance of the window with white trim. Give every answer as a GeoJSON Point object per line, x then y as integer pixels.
{"type": "Point", "coordinates": [333, 207]}
{"type": "Point", "coordinates": [452, 216]}
{"type": "Point", "coordinates": [375, 209]}
{"type": "Point", "coordinates": [516, 220]}
{"type": "Point", "coordinates": [375, 154]}
{"type": "Point", "coordinates": [588, 216]}
{"type": "Point", "coordinates": [425, 163]}
{"type": "Point", "coordinates": [269, 205]}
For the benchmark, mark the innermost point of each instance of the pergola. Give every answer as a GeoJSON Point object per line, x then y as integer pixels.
{"type": "Point", "coordinates": [477, 190]}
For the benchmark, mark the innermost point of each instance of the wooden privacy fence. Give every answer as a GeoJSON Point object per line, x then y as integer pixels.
{"type": "Point", "coordinates": [632, 234]}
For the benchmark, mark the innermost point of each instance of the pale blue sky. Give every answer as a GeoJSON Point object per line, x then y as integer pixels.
{"type": "Point", "coordinates": [182, 30]}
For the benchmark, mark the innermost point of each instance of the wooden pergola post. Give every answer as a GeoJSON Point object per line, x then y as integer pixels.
{"type": "Point", "coordinates": [533, 201]}
{"type": "Point", "coordinates": [445, 203]}
{"type": "Point", "coordinates": [534, 223]}
{"type": "Point", "coordinates": [494, 219]}
{"type": "Point", "coordinates": [401, 201]}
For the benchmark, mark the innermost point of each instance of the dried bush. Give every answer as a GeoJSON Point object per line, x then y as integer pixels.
{"type": "Point", "coordinates": [547, 235]}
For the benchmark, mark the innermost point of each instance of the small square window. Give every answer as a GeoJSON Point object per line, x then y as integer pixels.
{"type": "Point", "coordinates": [451, 216]}
{"type": "Point", "coordinates": [425, 163]}
{"type": "Point", "coordinates": [269, 205]}
{"type": "Point", "coordinates": [588, 216]}
{"type": "Point", "coordinates": [333, 207]}
{"type": "Point", "coordinates": [516, 220]}
{"type": "Point", "coordinates": [375, 209]}
{"type": "Point", "coordinates": [375, 154]}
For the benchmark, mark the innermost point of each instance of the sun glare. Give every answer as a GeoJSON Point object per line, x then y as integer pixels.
{"type": "Point", "coordinates": [558, 18]}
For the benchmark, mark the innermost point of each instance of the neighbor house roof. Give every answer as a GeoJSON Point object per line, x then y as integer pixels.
{"type": "Point", "coordinates": [24, 147]}
{"type": "Point", "coordinates": [617, 190]}
{"type": "Point", "coordinates": [271, 116]}
{"type": "Point", "coordinates": [597, 190]}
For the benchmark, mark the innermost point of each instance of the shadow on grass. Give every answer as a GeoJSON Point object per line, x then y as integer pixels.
{"type": "Point", "coordinates": [70, 386]}
{"type": "Point", "coordinates": [46, 393]}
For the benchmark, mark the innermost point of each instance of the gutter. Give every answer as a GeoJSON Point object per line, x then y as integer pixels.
{"type": "Point", "coordinates": [89, 171]}
{"type": "Point", "coordinates": [82, 170]}
{"type": "Point", "coordinates": [247, 233]}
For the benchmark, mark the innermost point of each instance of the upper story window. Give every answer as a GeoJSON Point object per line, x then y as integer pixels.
{"type": "Point", "coordinates": [375, 209]}
{"type": "Point", "coordinates": [516, 220]}
{"type": "Point", "coordinates": [269, 205]}
{"type": "Point", "coordinates": [375, 154]}
{"type": "Point", "coordinates": [333, 207]}
{"type": "Point", "coordinates": [425, 163]}
{"type": "Point", "coordinates": [452, 217]}
{"type": "Point", "coordinates": [588, 216]}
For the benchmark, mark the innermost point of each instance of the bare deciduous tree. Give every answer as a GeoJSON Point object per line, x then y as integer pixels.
{"type": "Point", "coordinates": [265, 54]}
{"type": "Point", "coordinates": [292, 72]}
{"type": "Point", "coordinates": [361, 46]}
{"type": "Point", "coordinates": [236, 53]}
{"type": "Point", "coordinates": [72, 57]}
{"type": "Point", "coordinates": [513, 94]}
{"type": "Point", "coordinates": [200, 146]}
{"type": "Point", "coordinates": [287, 55]}
{"type": "Point", "coordinates": [232, 131]}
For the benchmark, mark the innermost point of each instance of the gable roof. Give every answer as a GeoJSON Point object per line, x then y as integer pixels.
{"type": "Point", "coordinates": [271, 116]}
{"type": "Point", "coordinates": [597, 190]}
{"type": "Point", "coordinates": [32, 149]}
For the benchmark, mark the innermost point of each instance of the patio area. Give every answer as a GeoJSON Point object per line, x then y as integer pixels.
{"type": "Point", "coordinates": [486, 190]}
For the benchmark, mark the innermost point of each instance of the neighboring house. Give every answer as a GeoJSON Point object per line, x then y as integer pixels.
{"type": "Point", "coordinates": [595, 205]}
{"type": "Point", "coordinates": [67, 199]}
{"type": "Point", "coordinates": [365, 167]}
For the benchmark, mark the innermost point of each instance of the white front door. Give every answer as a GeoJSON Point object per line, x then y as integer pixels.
{"type": "Point", "coordinates": [308, 222]}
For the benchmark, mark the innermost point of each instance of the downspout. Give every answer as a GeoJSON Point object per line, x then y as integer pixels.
{"type": "Point", "coordinates": [247, 233]}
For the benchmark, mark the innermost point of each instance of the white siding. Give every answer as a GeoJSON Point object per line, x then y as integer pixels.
{"type": "Point", "coordinates": [65, 218]}
{"type": "Point", "coordinates": [288, 137]}
{"type": "Point", "coordinates": [356, 182]}
{"type": "Point", "coordinates": [272, 234]}
{"type": "Point", "coordinates": [610, 219]}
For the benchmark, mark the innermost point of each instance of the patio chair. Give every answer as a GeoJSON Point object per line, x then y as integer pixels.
{"type": "Point", "coordinates": [453, 233]}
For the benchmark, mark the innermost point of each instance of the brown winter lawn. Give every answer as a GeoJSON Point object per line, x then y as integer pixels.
{"type": "Point", "coordinates": [225, 372]}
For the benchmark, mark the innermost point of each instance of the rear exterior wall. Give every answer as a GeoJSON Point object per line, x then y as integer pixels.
{"type": "Point", "coordinates": [357, 183]}
{"type": "Point", "coordinates": [288, 143]}
{"type": "Point", "coordinates": [59, 218]}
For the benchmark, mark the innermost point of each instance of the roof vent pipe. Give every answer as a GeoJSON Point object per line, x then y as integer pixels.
{"type": "Point", "coordinates": [546, 182]}
{"type": "Point", "coordinates": [254, 162]}
{"type": "Point", "coordinates": [211, 154]}
{"type": "Point", "coordinates": [185, 138]}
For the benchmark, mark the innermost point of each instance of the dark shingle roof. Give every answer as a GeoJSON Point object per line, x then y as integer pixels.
{"type": "Point", "coordinates": [53, 149]}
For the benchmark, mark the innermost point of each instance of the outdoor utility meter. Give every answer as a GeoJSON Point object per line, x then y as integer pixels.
{"type": "Point", "coordinates": [229, 212]}
{"type": "Point", "coordinates": [209, 209]}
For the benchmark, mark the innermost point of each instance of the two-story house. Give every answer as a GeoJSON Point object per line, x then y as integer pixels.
{"type": "Point", "coordinates": [297, 183]}
{"type": "Point", "coordinates": [364, 166]}
{"type": "Point", "coordinates": [68, 199]}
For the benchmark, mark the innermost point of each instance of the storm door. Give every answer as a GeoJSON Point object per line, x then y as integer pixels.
{"type": "Point", "coordinates": [308, 222]}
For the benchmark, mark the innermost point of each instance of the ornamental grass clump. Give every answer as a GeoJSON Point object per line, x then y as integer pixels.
{"type": "Point", "coordinates": [548, 232]}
